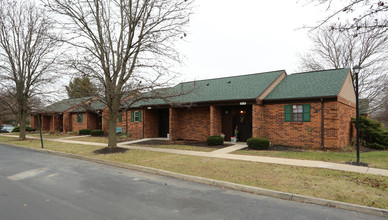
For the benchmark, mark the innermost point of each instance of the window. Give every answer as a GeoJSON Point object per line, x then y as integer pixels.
{"type": "Point", "coordinates": [79, 117]}
{"type": "Point", "coordinates": [136, 116]}
{"type": "Point", "coordinates": [297, 113]}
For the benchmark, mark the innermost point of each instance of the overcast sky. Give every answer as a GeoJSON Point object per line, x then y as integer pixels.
{"type": "Point", "coordinates": [227, 38]}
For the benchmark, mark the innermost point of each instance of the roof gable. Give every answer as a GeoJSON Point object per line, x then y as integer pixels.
{"type": "Point", "coordinates": [325, 83]}
{"type": "Point", "coordinates": [65, 104]}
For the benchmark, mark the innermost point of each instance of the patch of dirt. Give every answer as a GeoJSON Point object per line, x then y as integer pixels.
{"type": "Point", "coordinates": [361, 164]}
{"type": "Point", "coordinates": [109, 150]}
{"type": "Point", "coordinates": [181, 142]}
{"type": "Point", "coordinates": [374, 183]}
{"type": "Point", "coordinates": [280, 148]}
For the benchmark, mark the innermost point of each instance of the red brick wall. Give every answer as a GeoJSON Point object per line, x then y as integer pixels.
{"type": "Point", "coordinates": [67, 123]}
{"type": "Point", "coordinates": [76, 126]}
{"type": "Point", "coordinates": [347, 130]}
{"type": "Point", "coordinates": [151, 123]}
{"type": "Point", "coordinates": [134, 128]}
{"type": "Point", "coordinates": [104, 123]}
{"type": "Point", "coordinates": [46, 123]}
{"type": "Point", "coordinates": [190, 124]}
{"type": "Point", "coordinates": [174, 123]}
{"type": "Point", "coordinates": [215, 120]}
{"type": "Point", "coordinates": [337, 128]}
{"type": "Point", "coordinates": [34, 122]}
{"type": "Point", "coordinates": [258, 121]}
{"type": "Point", "coordinates": [92, 121]}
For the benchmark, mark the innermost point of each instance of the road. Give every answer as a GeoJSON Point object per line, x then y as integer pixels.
{"type": "Point", "coordinates": [36, 185]}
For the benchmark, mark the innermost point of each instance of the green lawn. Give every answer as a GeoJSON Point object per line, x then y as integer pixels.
{"type": "Point", "coordinates": [48, 135]}
{"type": "Point", "coordinates": [44, 134]}
{"type": "Point", "coordinates": [370, 190]}
{"type": "Point", "coordinates": [377, 159]}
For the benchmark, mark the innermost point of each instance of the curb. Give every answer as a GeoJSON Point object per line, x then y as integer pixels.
{"type": "Point", "coordinates": [223, 184]}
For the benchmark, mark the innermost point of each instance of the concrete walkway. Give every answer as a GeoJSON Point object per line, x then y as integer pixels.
{"type": "Point", "coordinates": [224, 153]}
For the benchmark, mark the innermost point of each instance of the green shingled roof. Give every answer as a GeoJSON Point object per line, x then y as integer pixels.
{"type": "Point", "coordinates": [234, 88]}
{"type": "Point", "coordinates": [325, 83]}
{"type": "Point", "coordinates": [94, 105]}
{"type": "Point", "coordinates": [65, 104]}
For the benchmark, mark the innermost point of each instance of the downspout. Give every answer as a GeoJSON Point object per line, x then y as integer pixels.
{"type": "Point", "coordinates": [322, 124]}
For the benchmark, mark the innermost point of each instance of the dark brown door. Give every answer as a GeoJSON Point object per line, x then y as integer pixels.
{"type": "Point", "coordinates": [237, 121]}
{"type": "Point", "coordinates": [164, 122]}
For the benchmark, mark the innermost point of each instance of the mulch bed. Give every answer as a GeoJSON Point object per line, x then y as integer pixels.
{"type": "Point", "coordinates": [108, 150]}
{"type": "Point", "coordinates": [181, 142]}
{"type": "Point", "coordinates": [280, 148]}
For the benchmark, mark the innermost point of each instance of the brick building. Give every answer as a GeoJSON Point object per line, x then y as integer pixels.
{"type": "Point", "coordinates": [69, 115]}
{"type": "Point", "coordinates": [311, 110]}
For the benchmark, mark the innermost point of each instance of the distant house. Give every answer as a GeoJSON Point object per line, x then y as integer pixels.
{"type": "Point", "coordinates": [69, 115]}
{"type": "Point", "coordinates": [311, 109]}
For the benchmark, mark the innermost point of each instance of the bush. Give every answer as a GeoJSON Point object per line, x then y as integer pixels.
{"type": "Point", "coordinates": [372, 133]}
{"type": "Point", "coordinates": [258, 143]}
{"type": "Point", "coordinates": [215, 140]}
{"type": "Point", "coordinates": [85, 132]}
{"type": "Point", "coordinates": [28, 129]}
{"type": "Point", "coordinates": [97, 133]}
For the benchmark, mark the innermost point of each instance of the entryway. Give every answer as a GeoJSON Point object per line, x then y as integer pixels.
{"type": "Point", "coordinates": [237, 121]}
{"type": "Point", "coordinates": [164, 122]}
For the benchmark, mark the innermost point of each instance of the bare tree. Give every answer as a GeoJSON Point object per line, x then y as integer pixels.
{"type": "Point", "coordinates": [333, 49]}
{"type": "Point", "coordinates": [360, 15]}
{"type": "Point", "coordinates": [26, 54]}
{"type": "Point", "coordinates": [125, 44]}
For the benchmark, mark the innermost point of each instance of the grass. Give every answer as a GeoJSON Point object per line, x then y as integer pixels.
{"type": "Point", "coordinates": [179, 147]}
{"type": "Point", "coordinates": [363, 189]}
{"type": "Point", "coordinates": [48, 135]}
{"type": "Point", "coordinates": [377, 159]}
{"type": "Point", "coordinates": [44, 134]}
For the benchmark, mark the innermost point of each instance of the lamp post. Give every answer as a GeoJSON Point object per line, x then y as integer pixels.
{"type": "Point", "coordinates": [356, 70]}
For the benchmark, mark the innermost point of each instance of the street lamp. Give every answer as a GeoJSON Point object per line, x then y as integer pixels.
{"type": "Point", "coordinates": [356, 70]}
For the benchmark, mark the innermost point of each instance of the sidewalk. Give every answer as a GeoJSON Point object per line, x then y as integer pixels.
{"type": "Point", "coordinates": [224, 153]}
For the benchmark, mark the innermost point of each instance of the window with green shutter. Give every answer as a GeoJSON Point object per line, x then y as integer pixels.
{"type": "Point", "coordinates": [136, 116]}
{"type": "Point", "coordinates": [288, 113]}
{"type": "Point", "coordinates": [306, 112]}
{"type": "Point", "coordinates": [79, 117]}
{"type": "Point", "coordinates": [297, 113]}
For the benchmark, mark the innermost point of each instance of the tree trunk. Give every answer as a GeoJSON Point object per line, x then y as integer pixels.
{"type": "Point", "coordinates": [112, 122]}
{"type": "Point", "coordinates": [22, 133]}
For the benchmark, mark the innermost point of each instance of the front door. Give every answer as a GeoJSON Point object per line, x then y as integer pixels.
{"type": "Point", "coordinates": [164, 122]}
{"type": "Point", "coordinates": [237, 122]}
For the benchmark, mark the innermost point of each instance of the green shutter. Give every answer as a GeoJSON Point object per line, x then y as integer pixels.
{"type": "Point", "coordinates": [140, 115]}
{"type": "Point", "coordinates": [132, 116]}
{"type": "Point", "coordinates": [287, 113]}
{"type": "Point", "coordinates": [82, 117]}
{"type": "Point", "coordinates": [306, 112]}
{"type": "Point", "coordinates": [120, 118]}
